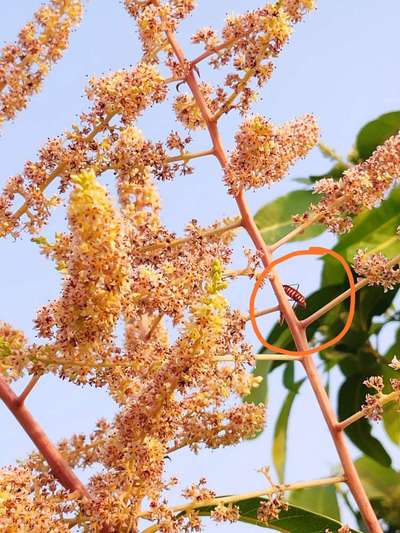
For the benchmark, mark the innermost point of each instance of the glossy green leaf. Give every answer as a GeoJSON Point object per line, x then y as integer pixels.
{"type": "Point", "coordinates": [288, 376]}
{"type": "Point", "coordinates": [274, 220]}
{"type": "Point", "coordinates": [391, 415]}
{"type": "Point", "coordinates": [391, 422]}
{"type": "Point", "coordinates": [321, 500]}
{"type": "Point", "coordinates": [379, 481]}
{"type": "Point", "coordinates": [294, 520]}
{"type": "Point", "coordinates": [304, 181]}
{"type": "Point", "coordinates": [351, 397]}
{"type": "Point", "coordinates": [376, 132]}
{"type": "Point", "coordinates": [382, 485]}
{"type": "Point", "coordinates": [371, 302]}
{"type": "Point", "coordinates": [281, 429]}
{"type": "Point", "coordinates": [335, 172]}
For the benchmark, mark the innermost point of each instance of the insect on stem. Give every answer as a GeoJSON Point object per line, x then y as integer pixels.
{"type": "Point", "coordinates": [295, 295]}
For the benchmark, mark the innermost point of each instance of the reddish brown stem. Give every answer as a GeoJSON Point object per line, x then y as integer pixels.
{"type": "Point", "coordinates": [28, 389]}
{"type": "Point", "coordinates": [59, 467]}
{"type": "Point", "coordinates": [293, 323]}
{"type": "Point", "coordinates": [212, 51]}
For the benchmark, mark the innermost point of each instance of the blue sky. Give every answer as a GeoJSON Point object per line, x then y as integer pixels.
{"type": "Point", "coordinates": [341, 64]}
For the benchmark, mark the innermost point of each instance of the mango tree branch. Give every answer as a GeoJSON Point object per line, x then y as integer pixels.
{"type": "Point", "coordinates": [27, 390]}
{"type": "Point", "coordinates": [188, 156]}
{"type": "Point", "coordinates": [302, 227]}
{"type": "Point", "coordinates": [339, 299]}
{"type": "Point", "coordinates": [211, 51]}
{"type": "Point", "coordinates": [59, 467]}
{"type": "Point", "coordinates": [261, 357]}
{"type": "Point", "coordinates": [385, 399]}
{"type": "Point", "coordinates": [229, 101]}
{"type": "Point", "coordinates": [296, 231]}
{"type": "Point", "coordinates": [263, 312]}
{"type": "Point", "coordinates": [153, 326]}
{"type": "Point", "coordinates": [209, 233]}
{"type": "Point", "coordinates": [293, 323]}
{"type": "Point", "coordinates": [247, 495]}
{"type": "Point", "coordinates": [102, 125]}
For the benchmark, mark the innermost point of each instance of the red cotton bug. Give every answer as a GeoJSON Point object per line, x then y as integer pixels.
{"type": "Point", "coordinates": [295, 295]}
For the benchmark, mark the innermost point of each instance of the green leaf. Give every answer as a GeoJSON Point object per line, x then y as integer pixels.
{"type": "Point", "coordinates": [391, 415]}
{"type": "Point", "coordinates": [391, 422]}
{"type": "Point", "coordinates": [379, 481]}
{"type": "Point", "coordinates": [321, 500]}
{"type": "Point", "coordinates": [274, 220]}
{"type": "Point", "coordinates": [351, 397]}
{"type": "Point", "coordinates": [335, 172]}
{"type": "Point", "coordinates": [293, 520]}
{"type": "Point", "coordinates": [281, 429]}
{"type": "Point", "coordinates": [288, 376]}
{"type": "Point", "coordinates": [376, 132]}
{"type": "Point", "coordinates": [382, 485]}
{"type": "Point", "coordinates": [304, 181]}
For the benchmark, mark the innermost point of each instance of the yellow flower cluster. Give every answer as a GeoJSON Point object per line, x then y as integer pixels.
{"type": "Point", "coordinates": [209, 312]}
{"type": "Point", "coordinates": [127, 93]}
{"type": "Point", "coordinates": [156, 18]}
{"type": "Point", "coordinates": [41, 42]}
{"type": "Point", "coordinates": [296, 8]}
{"type": "Point", "coordinates": [187, 110]}
{"type": "Point", "coordinates": [361, 186]}
{"type": "Point", "coordinates": [13, 352]}
{"type": "Point", "coordinates": [376, 268]}
{"type": "Point", "coordinates": [264, 152]}
{"type": "Point", "coordinates": [29, 503]}
{"type": "Point", "coordinates": [91, 302]}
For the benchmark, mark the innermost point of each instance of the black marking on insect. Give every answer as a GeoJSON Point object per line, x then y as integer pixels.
{"type": "Point", "coordinates": [295, 295]}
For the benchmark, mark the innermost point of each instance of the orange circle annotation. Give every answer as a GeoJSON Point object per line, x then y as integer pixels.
{"type": "Point", "coordinates": [313, 250]}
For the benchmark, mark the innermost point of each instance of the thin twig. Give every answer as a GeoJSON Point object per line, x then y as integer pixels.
{"type": "Point", "coordinates": [188, 156]}
{"type": "Point", "coordinates": [229, 101]}
{"type": "Point", "coordinates": [339, 299]}
{"type": "Point", "coordinates": [154, 326]}
{"type": "Point", "coordinates": [254, 494]}
{"type": "Point", "coordinates": [296, 231]}
{"type": "Point", "coordinates": [24, 394]}
{"type": "Point", "coordinates": [212, 51]}
{"type": "Point", "coordinates": [263, 312]}
{"type": "Point", "coordinates": [62, 166]}
{"type": "Point", "coordinates": [179, 242]}
{"type": "Point", "coordinates": [261, 357]}
{"type": "Point", "coordinates": [385, 399]}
